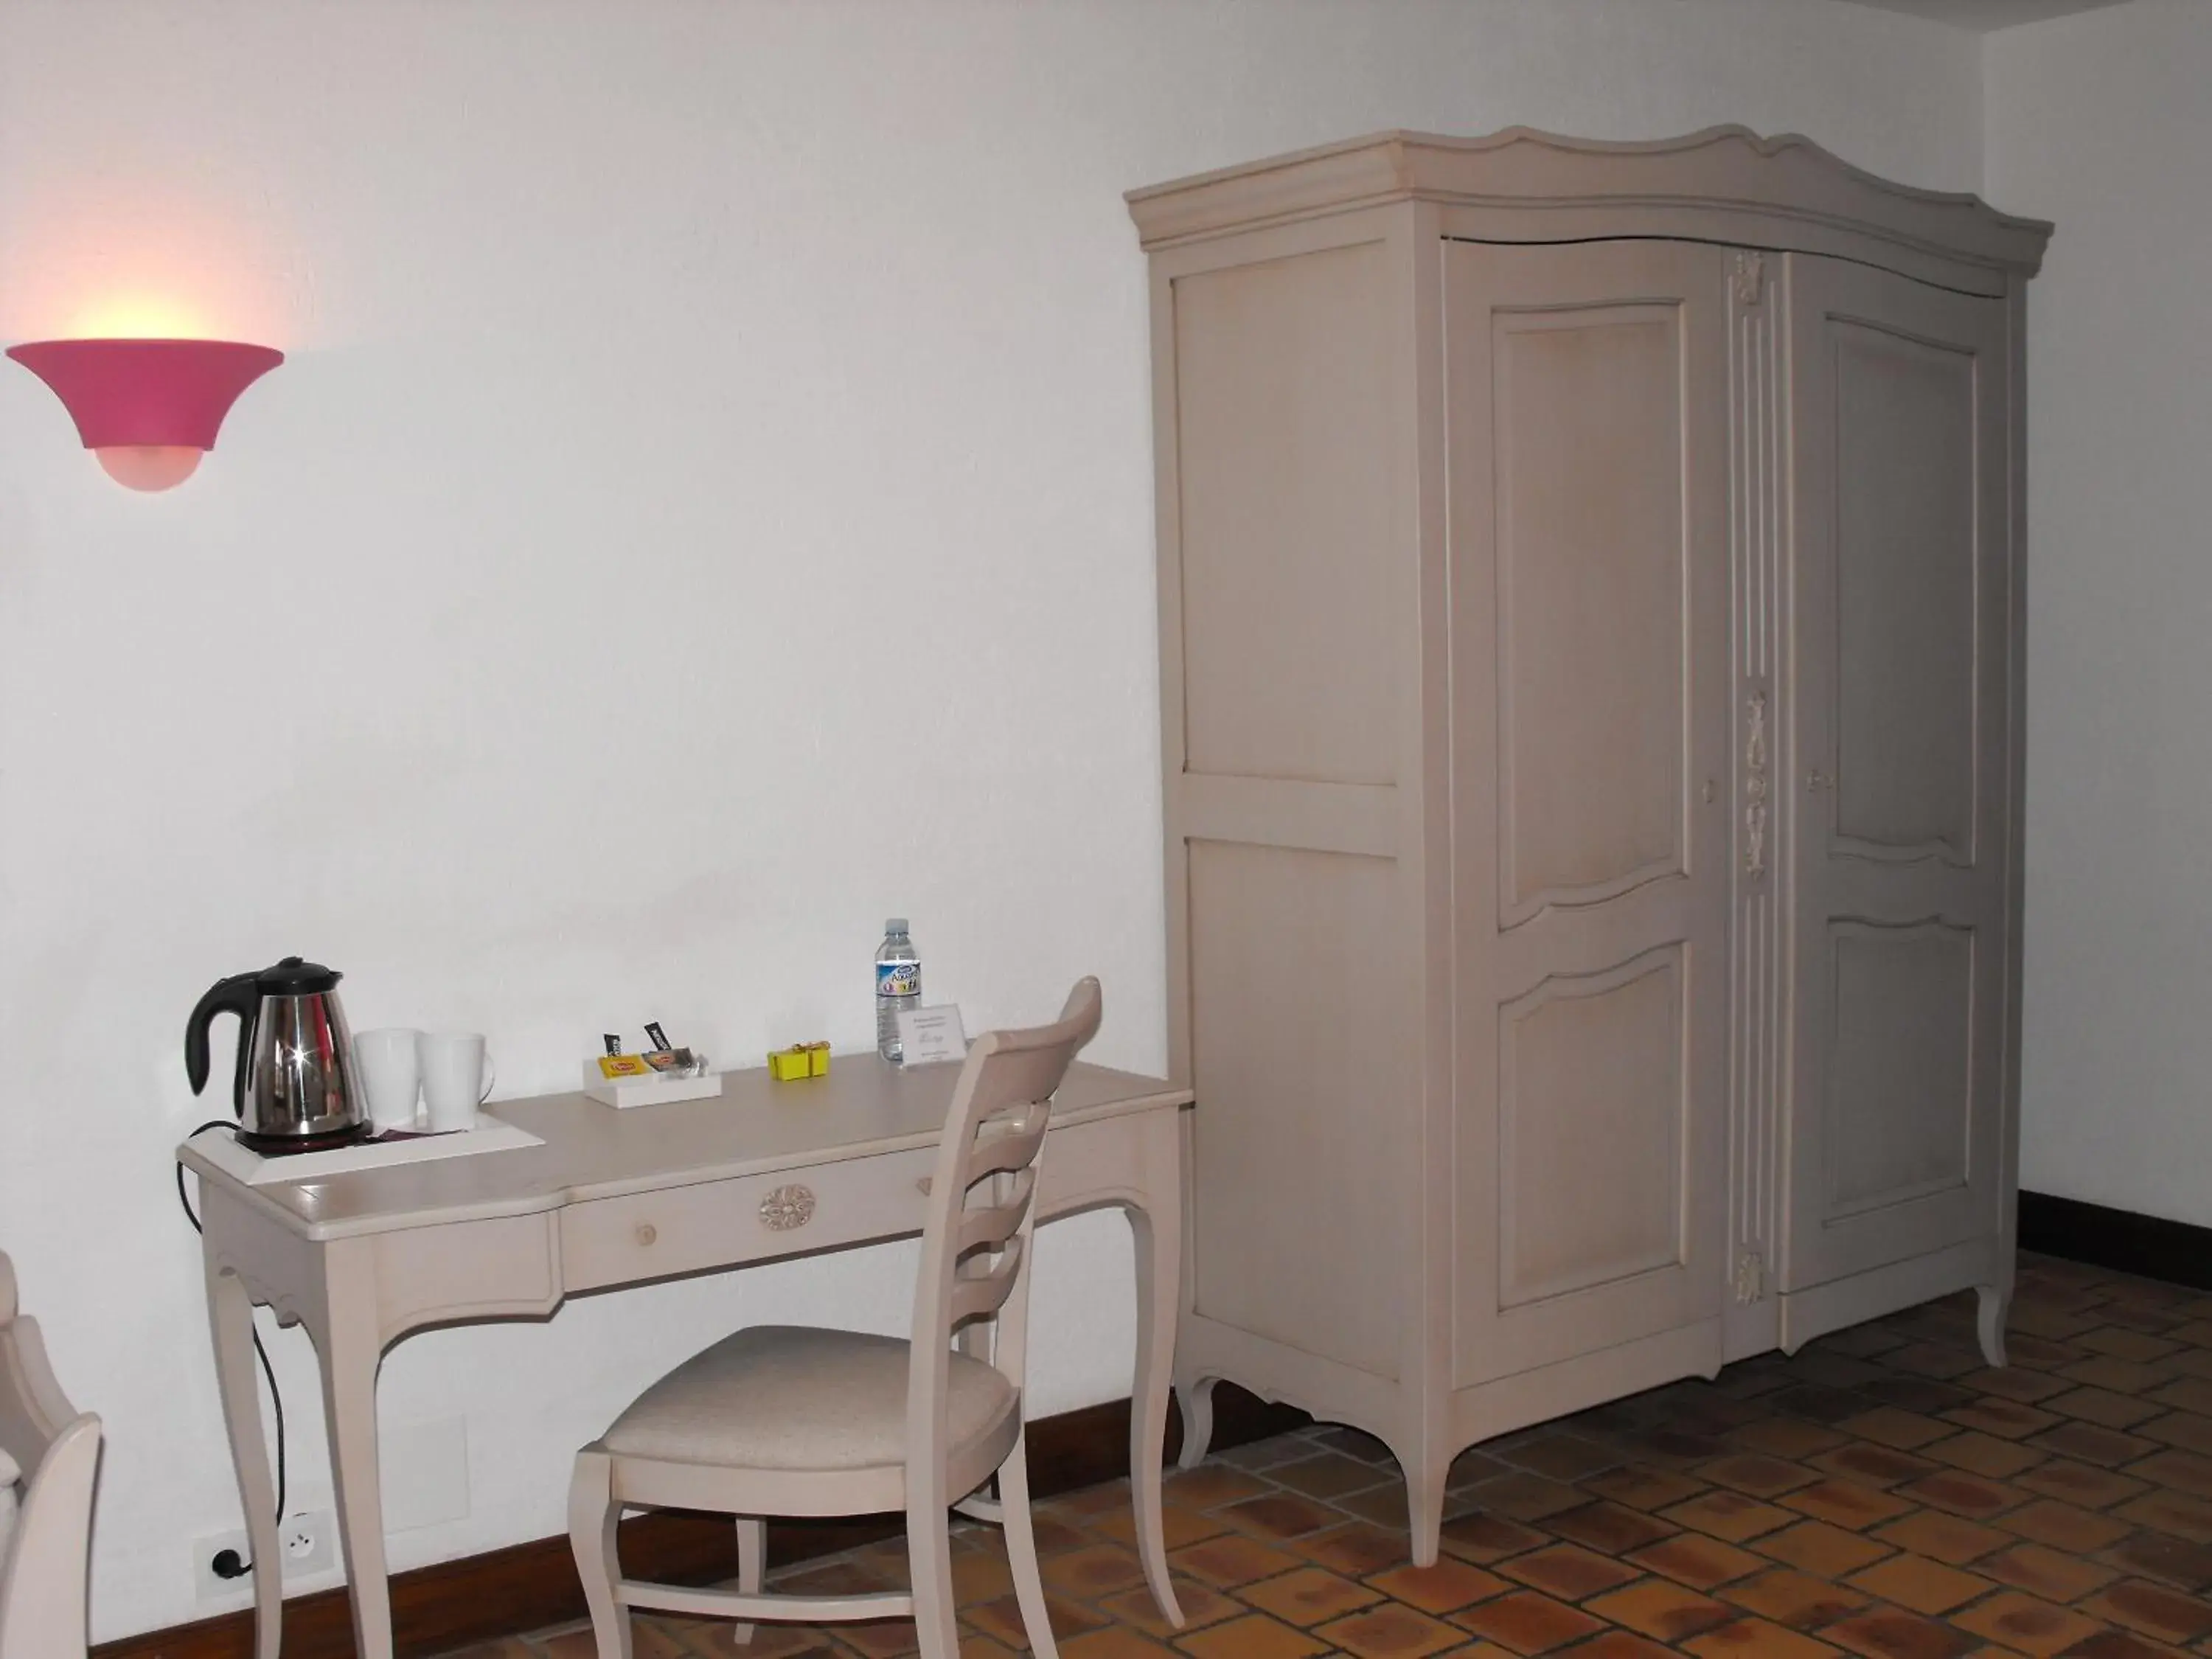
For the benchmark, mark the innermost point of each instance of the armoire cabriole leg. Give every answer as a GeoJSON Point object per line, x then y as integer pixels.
{"type": "Point", "coordinates": [1194, 1399]}
{"type": "Point", "coordinates": [1425, 1506]}
{"type": "Point", "coordinates": [1990, 1322]}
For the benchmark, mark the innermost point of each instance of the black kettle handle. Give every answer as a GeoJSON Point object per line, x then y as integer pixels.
{"type": "Point", "coordinates": [235, 995]}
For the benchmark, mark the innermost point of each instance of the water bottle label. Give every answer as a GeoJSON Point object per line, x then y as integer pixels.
{"type": "Point", "coordinates": [898, 978]}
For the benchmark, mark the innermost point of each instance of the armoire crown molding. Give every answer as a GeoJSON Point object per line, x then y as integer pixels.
{"type": "Point", "coordinates": [1726, 184]}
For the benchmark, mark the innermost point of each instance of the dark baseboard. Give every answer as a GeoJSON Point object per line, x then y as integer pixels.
{"type": "Point", "coordinates": [529, 1586]}
{"type": "Point", "coordinates": [2151, 1246]}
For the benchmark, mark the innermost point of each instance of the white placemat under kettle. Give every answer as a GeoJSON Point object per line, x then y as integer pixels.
{"type": "Point", "coordinates": [222, 1148]}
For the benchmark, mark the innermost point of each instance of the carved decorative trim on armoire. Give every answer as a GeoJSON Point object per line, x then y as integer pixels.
{"type": "Point", "coordinates": [1757, 438]}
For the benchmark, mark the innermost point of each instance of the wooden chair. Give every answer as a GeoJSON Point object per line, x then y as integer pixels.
{"type": "Point", "coordinates": [794, 1420]}
{"type": "Point", "coordinates": [43, 1561]}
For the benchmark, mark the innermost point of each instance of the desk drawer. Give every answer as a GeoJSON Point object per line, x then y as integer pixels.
{"type": "Point", "coordinates": [722, 1223]}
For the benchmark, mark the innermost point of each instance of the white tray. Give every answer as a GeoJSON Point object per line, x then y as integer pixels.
{"type": "Point", "coordinates": [623, 1092]}
{"type": "Point", "coordinates": [222, 1148]}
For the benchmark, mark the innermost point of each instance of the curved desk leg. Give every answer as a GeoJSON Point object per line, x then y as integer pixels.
{"type": "Point", "coordinates": [230, 1319]}
{"type": "Point", "coordinates": [1156, 1232]}
{"type": "Point", "coordinates": [350, 1343]}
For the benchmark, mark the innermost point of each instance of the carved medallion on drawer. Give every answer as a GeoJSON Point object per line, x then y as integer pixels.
{"type": "Point", "coordinates": [706, 1225]}
{"type": "Point", "coordinates": [788, 1207]}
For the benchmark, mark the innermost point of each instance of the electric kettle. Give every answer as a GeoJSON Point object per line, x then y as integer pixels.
{"type": "Point", "coordinates": [296, 1090]}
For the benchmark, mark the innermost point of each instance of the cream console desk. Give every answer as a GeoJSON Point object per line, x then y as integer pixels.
{"type": "Point", "coordinates": [616, 1198]}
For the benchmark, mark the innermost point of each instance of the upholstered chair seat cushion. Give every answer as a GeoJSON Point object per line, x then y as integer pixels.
{"type": "Point", "coordinates": [795, 1397]}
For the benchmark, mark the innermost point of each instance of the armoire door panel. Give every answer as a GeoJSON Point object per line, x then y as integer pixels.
{"type": "Point", "coordinates": [1899, 675]}
{"type": "Point", "coordinates": [1590, 938]}
{"type": "Point", "coordinates": [1301, 1048]}
{"type": "Point", "coordinates": [1587, 397]}
{"type": "Point", "coordinates": [1590, 593]}
{"type": "Point", "coordinates": [1593, 1097]}
{"type": "Point", "coordinates": [1288, 518]}
{"type": "Point", "coordinates": [1897, 1107]}
{"type": "Point", "coordinates": [1906, 584]}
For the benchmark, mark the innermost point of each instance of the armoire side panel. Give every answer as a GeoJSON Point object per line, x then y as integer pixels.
{"type": "Point", "coordinates": [1588, 416]}
{"type": "Point", "coordinates": [1300, 1048]}
{"type": "Point", "coordinates": [1901, 675]}
{"type": "Point", "coordinates": [1288, 584]}
{"type": "Point", "coordinates": [1290, 668]}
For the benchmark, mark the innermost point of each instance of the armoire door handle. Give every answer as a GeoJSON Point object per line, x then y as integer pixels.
{"type": "Point", "coordinates": [1816, 781]}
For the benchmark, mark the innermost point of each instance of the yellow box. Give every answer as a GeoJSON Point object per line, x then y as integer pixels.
{"type": "Point", "coordinates": [800, 1059]}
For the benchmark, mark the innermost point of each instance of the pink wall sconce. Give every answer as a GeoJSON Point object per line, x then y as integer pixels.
{"type": "Point", "coordinates": [148, 409]}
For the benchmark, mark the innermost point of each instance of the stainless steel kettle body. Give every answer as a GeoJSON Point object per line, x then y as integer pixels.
{"type": "Point", "coordinates": [294, 1088]}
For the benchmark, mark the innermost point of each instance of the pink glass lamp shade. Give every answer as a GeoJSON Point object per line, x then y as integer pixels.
{"type": "Point", "coordinates": [147, 408]}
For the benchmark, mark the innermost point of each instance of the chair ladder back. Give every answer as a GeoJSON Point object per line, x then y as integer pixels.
{"type": "Point", "coordinates": [979, 1292]}
{"type": "Point", "coordinates": [974, 1241]}
{"type": "Point", "coordinates": [990, 1225]}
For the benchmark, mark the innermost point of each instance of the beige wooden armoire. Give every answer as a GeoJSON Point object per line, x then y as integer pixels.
{"type": "Point", "coordinates": [1590, 612]}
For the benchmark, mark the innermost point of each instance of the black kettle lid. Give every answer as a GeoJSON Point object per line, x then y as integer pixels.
{"type": "Point", "coordinates": [293, 977]}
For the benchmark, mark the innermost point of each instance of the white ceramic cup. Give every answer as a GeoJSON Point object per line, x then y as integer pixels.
{"type": "Point", "coordinates": [457, 1078]}
{"type": "Point", "coordinates": [391, 1074]}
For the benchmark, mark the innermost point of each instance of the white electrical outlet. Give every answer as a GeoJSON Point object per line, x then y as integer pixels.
{"type": "Point", "coordinates": [210, 1586]}
{"type": "Point", "coordinates": [308, 1539]}
{"type": "Point", "coordinates": [307, 1545]}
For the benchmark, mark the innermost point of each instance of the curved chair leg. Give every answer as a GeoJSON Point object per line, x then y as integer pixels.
{"type": "Point", "coordinates": [593, 1514]}
{"type": "Point", "coordinates": [752, 1567]}
{"type": "Point", "coordinates": [1194, 1401]}
{"type": "Point", "coordinates": [1022, 1550]}
{"type": "Point", "coordinates": [1996, 1305]}
{"type": "Point", "coordinates": [1425, 1506]}
{"type": "Point", "coordinates": [929, 1565]}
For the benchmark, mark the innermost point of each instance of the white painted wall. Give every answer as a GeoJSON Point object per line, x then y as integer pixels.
{"type": "Point", "coordinates": [2103, 123]}
{"type": "Point", "coordinates": [680, 394]}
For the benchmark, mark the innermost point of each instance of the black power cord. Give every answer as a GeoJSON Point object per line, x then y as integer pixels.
{"type": "Point", "coordinates": [237, 1569]}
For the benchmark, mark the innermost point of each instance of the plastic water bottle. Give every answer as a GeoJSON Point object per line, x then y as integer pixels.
{"type": "Point", "coordinates": [898, 984]}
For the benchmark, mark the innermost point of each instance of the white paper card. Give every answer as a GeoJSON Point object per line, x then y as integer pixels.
{"type": "Point", "coordinates": [930, 1036]}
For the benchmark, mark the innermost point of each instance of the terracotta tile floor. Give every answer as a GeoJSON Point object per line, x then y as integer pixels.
{"type": "Point", "coordinates": [1881, 1494]}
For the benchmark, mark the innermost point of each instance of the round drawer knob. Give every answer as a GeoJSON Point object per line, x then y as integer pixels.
{"type": "Point", "coordinates": [646, 1233]}
{"type": "Point", "coordinates": [788, 1207]}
